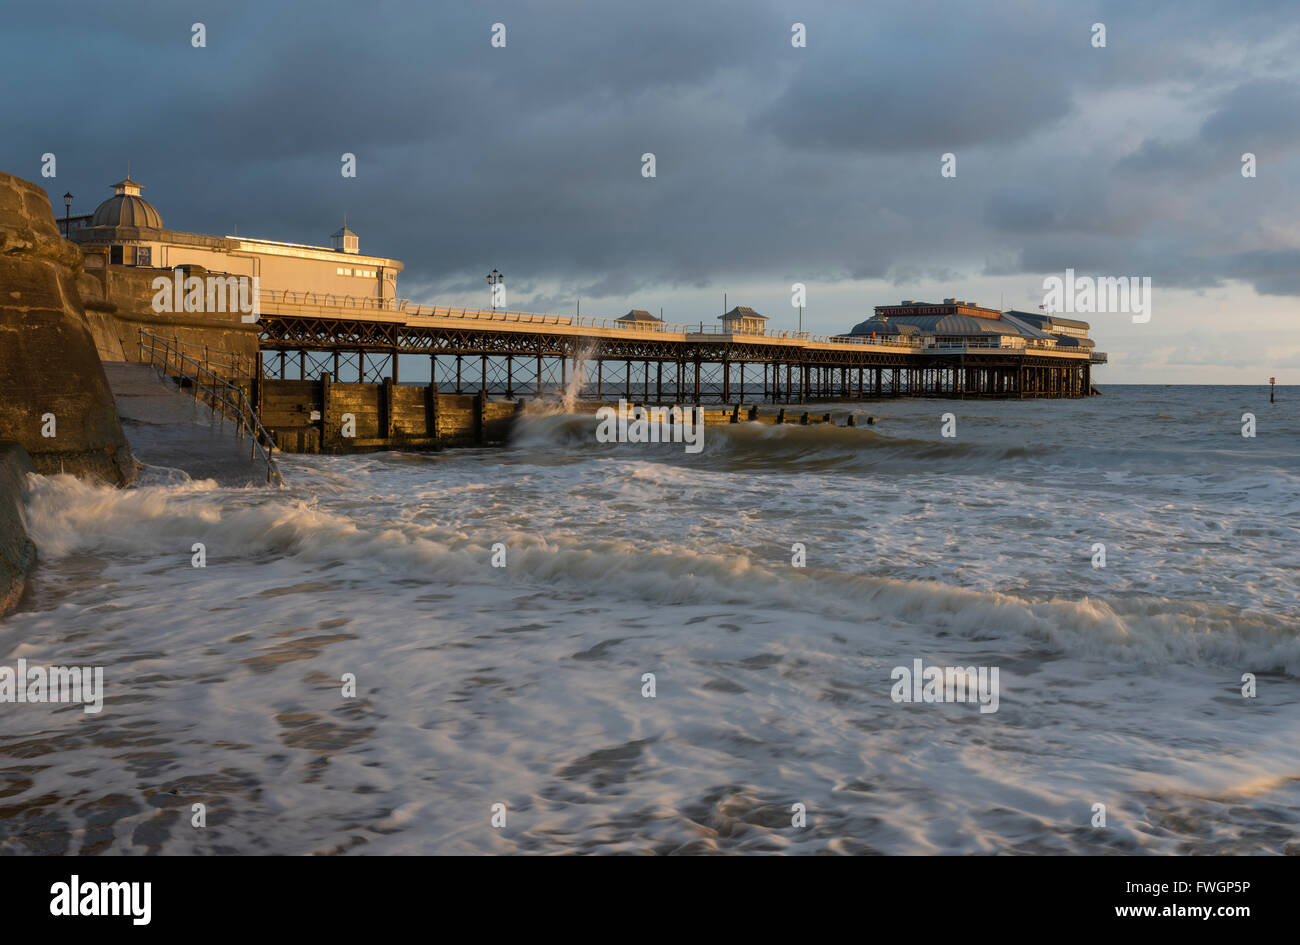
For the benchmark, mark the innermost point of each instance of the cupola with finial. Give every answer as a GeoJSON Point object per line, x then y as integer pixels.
{"type": "Point", "coordinates": [344, 240]}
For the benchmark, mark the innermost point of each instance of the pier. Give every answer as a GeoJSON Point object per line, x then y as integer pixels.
{"type": "Point", "coordinates": [512, 354]}
{"type": "Point", "coordinates": [329, 339]}
{"type": "Point", "coordinates": [324, 357]}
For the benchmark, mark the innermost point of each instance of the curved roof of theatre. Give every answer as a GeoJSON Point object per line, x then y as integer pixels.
{"type": "Point", "coordinates": [938, 325]}
{"type": "Point", "coordinates": [127, 208]}
{"type": "Point", "coordinates": [951, 324]}
{"type": "Point", "coordinates": [884, 326]}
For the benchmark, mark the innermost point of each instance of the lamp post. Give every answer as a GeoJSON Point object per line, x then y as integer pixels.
{"type": "Point", "coordinates": [67, 216]}
{"type": "Point", "coordinates": [494, 279]}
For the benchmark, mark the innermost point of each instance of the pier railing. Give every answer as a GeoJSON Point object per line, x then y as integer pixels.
{"type": "Point", "coordinates": [698, 332]}
{"type": "Point", "coordinates": [964, 344]}
{"type": "Point", "coordinates": [224, 398]}
{"type": "Point", "coordinates": [404, 307]}
{"type": "Point", "coordinates": [866, 340]}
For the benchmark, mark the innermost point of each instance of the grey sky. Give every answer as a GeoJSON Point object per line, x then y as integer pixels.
{"type": "Point", "coordinates": [775, 164]}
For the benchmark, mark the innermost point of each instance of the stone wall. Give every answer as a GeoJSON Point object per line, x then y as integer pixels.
{"type": "Point", "coordinates": [17, 553]}
{"type": "Point", "coordinates": [51, 380]}
{"type": "Point", "coordinates": [119, 302]}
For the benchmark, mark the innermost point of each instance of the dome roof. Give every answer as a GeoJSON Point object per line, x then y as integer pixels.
{"type": "Point", "coordinates": [944, 325]}
{"type": "Point", "coordinates": [883, 326]}
{"type": "Point", "coordinates": [127, 208]}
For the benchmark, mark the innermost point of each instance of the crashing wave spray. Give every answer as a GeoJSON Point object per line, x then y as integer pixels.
{"type": "Point", "coordinates": [574, 387]}
{"type": "Point", "coordinates": [545, 407]}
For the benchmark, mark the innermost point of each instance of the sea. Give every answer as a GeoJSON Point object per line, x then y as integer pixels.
{"type": "Point", "coordinates": [566, 646]}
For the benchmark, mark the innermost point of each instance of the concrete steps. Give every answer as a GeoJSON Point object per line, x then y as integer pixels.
{"type": "Point", "coordinates": [167, 428]}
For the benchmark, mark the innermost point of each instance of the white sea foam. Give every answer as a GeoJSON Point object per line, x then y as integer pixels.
{"type": "Point", "coordinates": [68, 516]}
{"type": "Point", "coordinates": [521, 685]}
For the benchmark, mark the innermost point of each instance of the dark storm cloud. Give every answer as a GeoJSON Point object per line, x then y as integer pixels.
{"type": "Point", "coordinates": [918, 78]}
{"type": "Point", "coordinates": [1251, 118]}
{"type": "Point", "coordinates": [774, 163]}
{"type": "Point", "coordinates": [1256, 115]}
{"type": "Point", "coordinates": [1271, 272]}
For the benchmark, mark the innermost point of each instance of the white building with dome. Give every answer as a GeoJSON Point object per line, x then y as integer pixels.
{"type": "Point", "coordinates": [127, 230]}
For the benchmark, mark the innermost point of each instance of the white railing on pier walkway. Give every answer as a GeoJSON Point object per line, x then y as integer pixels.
{"type": "Point", "coordinates": [404, 307]}
{"type": "Point", "coordinates": [961, 344]}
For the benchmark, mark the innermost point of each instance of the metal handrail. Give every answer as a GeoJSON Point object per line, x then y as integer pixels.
{"type": "Point", "coordinates": [239, 365]}
{"type": "Point", "coordinates": [982, 343]}
{"type": "Point", "coordinates": [848, 340]}
{"type": "Point", "coordinates": [222, 395]}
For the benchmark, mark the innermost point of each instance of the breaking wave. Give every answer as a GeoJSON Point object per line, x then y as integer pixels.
{"type": "Point", "coordinates": [67, 516]}
{"type": "Point", "coordinates": [820, 447]}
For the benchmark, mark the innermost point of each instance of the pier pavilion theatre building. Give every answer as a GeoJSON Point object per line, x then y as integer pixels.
{"type": "Point", "coordinates": [127, 230]}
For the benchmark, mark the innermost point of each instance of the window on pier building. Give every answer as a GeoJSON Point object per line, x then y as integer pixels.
{"type": "Point", "coordinates": [347, 271]}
